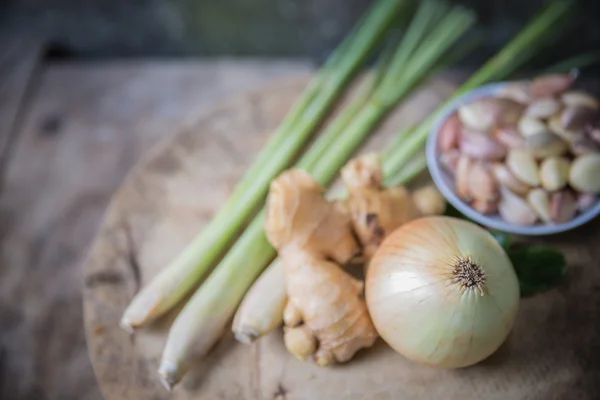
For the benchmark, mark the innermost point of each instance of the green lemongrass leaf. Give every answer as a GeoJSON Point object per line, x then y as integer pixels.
{"type": "Point", "coordinates": [538, 268]}
{"type": "Point", "coordinates": [427, 13]}
{"type": "Point", "coordinates": [397, 141]}
{"type": "Point", "coordinates": [388, 95]}
{"type": "Point", "coordinates": [411, 170]}
{"type": "Point", "coordinates": [521, 48]}
{"type": "Point", "coordinates": [428, 54]}
{"type": "Point", "coordinates": [333, 131]}
{"type": "Point", "coordinates": [452, 56]}
{"type": "Point", "coordinates": [576, 62]}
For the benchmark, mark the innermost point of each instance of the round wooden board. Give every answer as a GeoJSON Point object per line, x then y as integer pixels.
{"type": "Point", "coordinates": [553, 352]}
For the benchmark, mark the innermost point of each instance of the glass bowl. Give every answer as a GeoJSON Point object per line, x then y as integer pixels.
{"type": "Point", "coordinates": [445, 182]}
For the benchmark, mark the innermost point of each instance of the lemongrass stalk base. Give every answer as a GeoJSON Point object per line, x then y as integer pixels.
{"type": "Point", "coordinates": [167, 374]}
{"type": "Point", "coordinates": [262, 308]}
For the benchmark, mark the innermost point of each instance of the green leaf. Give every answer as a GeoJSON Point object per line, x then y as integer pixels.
{"type": "Point", "coordinates": [505, 240]}
{"type": "Point", "coordinates": [538, 267]}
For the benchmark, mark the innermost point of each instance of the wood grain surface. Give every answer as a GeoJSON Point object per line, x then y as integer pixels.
{"type": "Point", "coordinates": [172, 193]}
{"type": "Point", "coordinates": [19, 61]}
{"type": "Point", "coordinates": [84, 126]}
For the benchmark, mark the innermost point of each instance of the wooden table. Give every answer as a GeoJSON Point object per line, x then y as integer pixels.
{"type": "Point", "coordinates": [69, 132]}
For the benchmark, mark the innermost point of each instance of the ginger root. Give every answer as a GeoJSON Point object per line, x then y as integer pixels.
{"type": "Point", "coordinates": [376, 211]}
{"type": "Point", "coordinates": [429, 200]}
{"type": "Point", "coordinates": [326, 315]}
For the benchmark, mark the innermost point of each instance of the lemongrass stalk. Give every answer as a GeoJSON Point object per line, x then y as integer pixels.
{"type": "Point", "coordinates": [411, 170]}
{"type": "Point", "coordinates": [358, 43]}
{"type": "Point", "coordinates": [428, 13]}
{"type": "Point", "coordinates": [184, 272]}
{"type": "Point", "coordinates": [261, 310]}
{"type": "Point", "coordinates": [386, 96]}
{"type": "Point", "coordinates": [331, 134]}
{"type": "Point", "coordinates": [203, 319]}
{"type": "Point", "coordinates": [521, 49]}
{"type": "Point", "coordinates": [455, 54]}
{"type": "Point", "coordinates": [579, 61]}
{"type": "Point", "coordinates": [512, 56]}
{"type": "Point", "coordinates": [388, 62]}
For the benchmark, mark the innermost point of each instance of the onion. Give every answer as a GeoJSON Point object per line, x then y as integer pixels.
{"type": "Point", "coordinates": [442, 292]}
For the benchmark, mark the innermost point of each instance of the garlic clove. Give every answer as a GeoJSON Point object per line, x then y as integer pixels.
{"type": "Point", "coordinates": [449, 160]}
{"type": "Point", "coordinates": [514, 210]}
{"type": "Point", "coordinates": [481, 146]}
{"type": "Point", "coordinates": [508, 179]}
{"type": "Point", "coordinates": [545, 144]}
{"type": "Point", "coordinates": [585, 201]}
{"type": "Point", "coordinates": [595, 134]}
{"type": "Point", "coordinates": [509, 112]}
{"type": "Point", "coordinates": [539, 200]}
{"type": "Point", "coordinates": [449, 134]}
{"type": "Point", "coordinates": [577, 118]}
{"type": "Point", "coordinates": [530, 126]}
{"type": "Point", "coordinates": [551, 85]}
{"type": "Point", "coordinates": [554, 173]}
{"type": "Point", "coordinates": [516, 91]}
{"type": "Point", "coordinates": [584, 144]}
{"type": "Point", "coordinates": [509, 137]}
{"type": "Point", "coordinates": [575, 98]}
{"type": "Point", "coordinates": [555, 125]}
{"type": "Point", "coordinates": [482, 115]}
{"type": "Point", "coordinates": [485, 207]}
{"type": "Point", "coordinates": [563, 206]}
{"type": "Point", "coordinates": [481, 184]}
{"type": "Point", "coordinates": [463, 168]}
{"type": "Point", "coordinates": [522, 164]}
{"type": "Point", "coordinates": [584, 175]}
{"type": "Point", "coordinates": [543, 108]}
{"type": "Point", "coordinates": [476, 115]}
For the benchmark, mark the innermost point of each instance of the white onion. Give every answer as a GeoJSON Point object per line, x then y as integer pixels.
{"type": "Point", "coordinates": [442, 292]}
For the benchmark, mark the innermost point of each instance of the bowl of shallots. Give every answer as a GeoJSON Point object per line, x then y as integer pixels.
{"type": "Point", "coordinates": [521, 157]}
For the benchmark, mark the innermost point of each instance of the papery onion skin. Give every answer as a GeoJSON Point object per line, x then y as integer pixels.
{"type": "Point", "coordinates": [419, 308]}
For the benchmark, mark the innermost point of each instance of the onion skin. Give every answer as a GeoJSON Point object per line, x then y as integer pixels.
{"type": "Point", "coordinates": [418, 307]}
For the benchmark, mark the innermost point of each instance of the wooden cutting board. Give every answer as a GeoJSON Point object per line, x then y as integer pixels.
{"type": "Point", "coordinates": [553, 352]}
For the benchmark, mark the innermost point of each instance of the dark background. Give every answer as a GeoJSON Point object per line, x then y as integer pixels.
{"type": "Point", "coordinates": [282, 28]}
